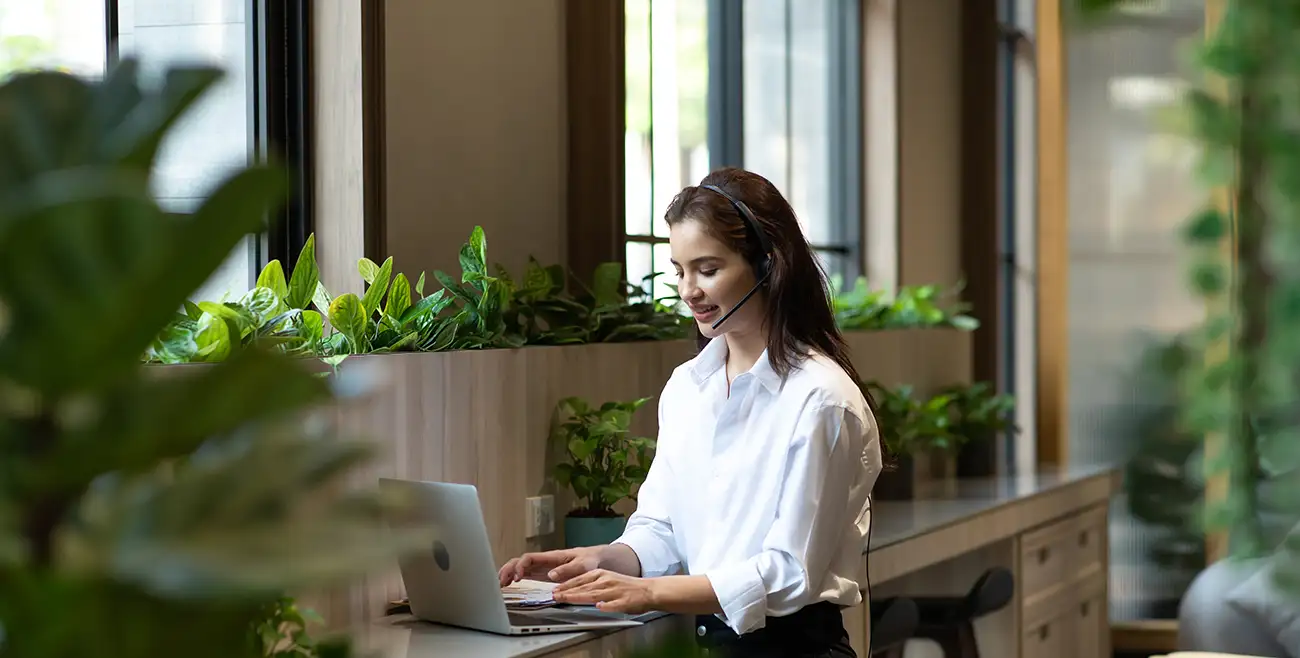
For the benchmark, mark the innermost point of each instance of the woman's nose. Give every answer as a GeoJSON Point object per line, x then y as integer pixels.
{"type": "Point", "coordinates": [688, 290]}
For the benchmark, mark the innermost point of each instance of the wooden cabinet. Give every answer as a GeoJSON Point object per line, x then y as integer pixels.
{"type": "Point", "coordinates": [1063, 602]}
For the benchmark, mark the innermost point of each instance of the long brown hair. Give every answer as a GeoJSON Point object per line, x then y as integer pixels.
{"type": "Point", "coordinates": [799, 311]}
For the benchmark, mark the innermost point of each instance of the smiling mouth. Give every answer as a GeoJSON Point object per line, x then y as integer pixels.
{"type": "Point", "coordinates": [705, 312]}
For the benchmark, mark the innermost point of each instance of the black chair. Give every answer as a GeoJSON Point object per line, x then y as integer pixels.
{"type": "Point", "coordinates": [893, 622]}
{"type": "Point", "coordinates": [950, 621]}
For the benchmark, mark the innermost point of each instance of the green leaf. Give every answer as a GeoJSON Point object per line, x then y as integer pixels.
{"type": "Point", "coordinates": [311, 326]}
{"type": "Point", "coordinates": [263, 304]}
{"type": "Point", "coordinates": [473, 256]}
{"type": "Point", "coordinates": [607, 284]}
{"type": "Point", "coordinates": [272, 277]}
{"type": "Point", "coordinates": [348, 316]}
{"type": "Point", "coordinates": [419, 285]}
{"type": "Point", "coordinates": [321, 298]}
{"type": "Point", "coordinates": [399, 298]}
{"type": "Point", "coordinates": [306, 276]}
{"type": "Point", "coordinates": [368, 270]}
{"type": "Point", "coordinates": [378, 288]}
{"type": "Point", "coordinates": [213, 340]}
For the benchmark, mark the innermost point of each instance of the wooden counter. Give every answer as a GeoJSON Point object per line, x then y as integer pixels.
{"type": "Point", "coordinates": [1050, 525]}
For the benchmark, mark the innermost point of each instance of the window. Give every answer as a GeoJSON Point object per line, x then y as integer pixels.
{"type": "Point", "coordinates": [1018, 221]}
{"type": "Point", "coordinates": [248, 39]}
{"type": "Point", "coordinates": [768, 88]}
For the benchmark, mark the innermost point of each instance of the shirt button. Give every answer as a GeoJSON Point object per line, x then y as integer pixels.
{"type": "Point", "coordinates": [700, 631]}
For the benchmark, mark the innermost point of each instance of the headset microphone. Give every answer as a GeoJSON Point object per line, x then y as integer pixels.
{"type": "Point", "coordinates": [742, 301]}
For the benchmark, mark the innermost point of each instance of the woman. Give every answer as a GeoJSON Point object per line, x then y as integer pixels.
{"type": "Point", "coordinates": [754, 512]}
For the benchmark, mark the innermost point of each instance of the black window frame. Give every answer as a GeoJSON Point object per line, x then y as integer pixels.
{"type": "Point", "coordinates": [280, 113]}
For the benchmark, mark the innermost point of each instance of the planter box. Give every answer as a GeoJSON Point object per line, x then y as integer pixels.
{"type": "Point", "coordinates": [484, 417]}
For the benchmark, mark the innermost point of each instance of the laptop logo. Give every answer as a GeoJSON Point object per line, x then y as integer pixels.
{"type": "Point", "coordinates": [441, 556]}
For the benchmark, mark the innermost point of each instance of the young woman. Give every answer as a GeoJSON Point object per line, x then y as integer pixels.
{"type": "Point", "coordinates": [754, 513]}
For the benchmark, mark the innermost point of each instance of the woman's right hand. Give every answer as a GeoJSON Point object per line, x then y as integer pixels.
{"type": "Point", "coordinates": [554, 566]}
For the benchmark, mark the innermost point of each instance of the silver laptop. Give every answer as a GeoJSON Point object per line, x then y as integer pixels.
{"type": "Point", "coordinates": [455, 582]}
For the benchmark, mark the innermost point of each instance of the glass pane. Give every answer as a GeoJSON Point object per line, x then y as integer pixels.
{"type": "Point", "coordinates": [213, 140]}
{"type": "Point", "coordinates": [640, 210]}
{"type": "Point", "coordinates": [638, 261]}
{"type": "Point", "coordinates": [811, 60]}
{"type": "Point", "coordinates": [767, 96]}
{"type": "Point", "coordinates": [1131, 185]}
{"type": "Point", "coordinates": [663, 267]}
{"type": "Point", "coordinates": [67, 35]}
{"type": "Point", "coordinates": [832, 263]}
{"type": "Point", "coordinates": [679, 100]}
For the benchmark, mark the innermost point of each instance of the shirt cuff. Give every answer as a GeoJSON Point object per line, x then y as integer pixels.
{"type": "Point", "coordinates": [742, 595]}
{"type": "Point", "coordinates": [656, 558]}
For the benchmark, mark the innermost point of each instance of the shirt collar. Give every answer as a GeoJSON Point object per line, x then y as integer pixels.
{"type": "Point", "coordinates": [713, 358]}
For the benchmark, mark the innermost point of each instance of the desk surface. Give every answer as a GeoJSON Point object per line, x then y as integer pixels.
{"type": "Point", "coordinates": [895, 524]}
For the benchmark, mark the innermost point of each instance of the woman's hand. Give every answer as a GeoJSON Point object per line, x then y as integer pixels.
{"type": "Point", "coordinates": [608, 591]}
{"type": "Point", "coordinates": [554, 566]}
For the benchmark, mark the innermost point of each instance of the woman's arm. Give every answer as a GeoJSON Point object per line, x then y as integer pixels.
{"type": "Point", "coordinates": [648, 537]}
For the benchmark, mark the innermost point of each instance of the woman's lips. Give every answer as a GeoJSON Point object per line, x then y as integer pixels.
{"type": "Point", "coordinates": [705, 313]}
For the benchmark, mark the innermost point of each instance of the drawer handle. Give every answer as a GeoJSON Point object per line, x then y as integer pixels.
{"type": "Point", "coordinates": [1083, 609]}
{"type": "Point", "coordinates": [1083, 538]}
{"type": "Point", "coordinates": [1043, 631]}
{"type": "Point", "coordinates": [1043, 554]}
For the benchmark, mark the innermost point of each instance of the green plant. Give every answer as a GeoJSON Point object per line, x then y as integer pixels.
{"type": "Point", "coordinates": [864, 309]}
{"type": "Point", "coordinates": [978, 410]}
{"type": "Point", "coordinates": [604, 462]}
{"type": "Point", "coordinates": [143, 513]}
{"type": "Point", "coordinates": [911, 424]}
{"type": "Point", "coordinates": [282, 633]}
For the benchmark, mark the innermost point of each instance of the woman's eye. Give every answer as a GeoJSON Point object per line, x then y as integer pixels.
{"type": "Point", "coordinates": [708, 272]}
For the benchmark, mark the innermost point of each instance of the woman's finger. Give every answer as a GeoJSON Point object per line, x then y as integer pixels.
{"type": "Point", "coordinates": [579, 580]}
{"type": "Point", "coordinates": [588, 595]}
{"type": "Point", "coordinates": [620, 604]}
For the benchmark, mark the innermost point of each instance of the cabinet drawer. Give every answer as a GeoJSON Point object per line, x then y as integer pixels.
{"type": "Point", "coordinates": [1044, 557]}
{"type": "Point", "coordinates": [1091, 542]}
{"type": "Point", "coordinates": [1047, 638]}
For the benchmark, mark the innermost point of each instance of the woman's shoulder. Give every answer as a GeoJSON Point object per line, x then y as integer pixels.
{"type": "Point", "coordinates": [821, 382]}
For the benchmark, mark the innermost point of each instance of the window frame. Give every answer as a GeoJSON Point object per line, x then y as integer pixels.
{"type": "Point", "coordinates": [725, 107]}
{"type": "Point", "coordinates": [280, 114]}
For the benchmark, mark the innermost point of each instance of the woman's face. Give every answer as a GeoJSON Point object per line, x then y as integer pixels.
{"type": "Point", "coordinates": [711, 278]}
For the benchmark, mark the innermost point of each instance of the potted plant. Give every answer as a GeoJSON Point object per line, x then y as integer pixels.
{"type": "Point", "coordinates": [979, 415]}
{"type": "Point", "coordinates": [604, 464]}
{"type": "Point", "coordinates": [911, 427]}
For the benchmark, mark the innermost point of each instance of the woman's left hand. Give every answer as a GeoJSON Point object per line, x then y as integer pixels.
{"type": "Point", "coordinates": [608, 591]}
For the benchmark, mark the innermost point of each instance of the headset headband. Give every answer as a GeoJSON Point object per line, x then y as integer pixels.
{"type": "Point", "coordinates": [749, 218]}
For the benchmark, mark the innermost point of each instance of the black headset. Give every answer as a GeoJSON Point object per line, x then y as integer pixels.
{"type": "Point", "coordinates": [763, 267]}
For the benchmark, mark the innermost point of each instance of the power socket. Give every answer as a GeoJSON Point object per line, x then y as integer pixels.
{"type": "Point", "coordinates": [539, 516]}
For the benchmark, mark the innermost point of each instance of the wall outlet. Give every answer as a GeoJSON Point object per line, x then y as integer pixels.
{"type": "Point", "coordinates": [539, 516]}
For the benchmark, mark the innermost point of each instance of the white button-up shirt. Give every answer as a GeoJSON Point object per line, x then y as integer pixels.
{"type": "Point", "coordinates": [764, 491]}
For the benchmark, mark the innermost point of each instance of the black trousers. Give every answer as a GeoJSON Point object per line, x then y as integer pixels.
{"type": "Point", "coordinates": [815, 631]}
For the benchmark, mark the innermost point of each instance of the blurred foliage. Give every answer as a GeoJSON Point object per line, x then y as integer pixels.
{"type": "Point", "coordinates": [1239, 389]}
{"type": "Point", "coordinates": [143, 511]}
{"type": "Point", "coordinates": [913, 307]}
